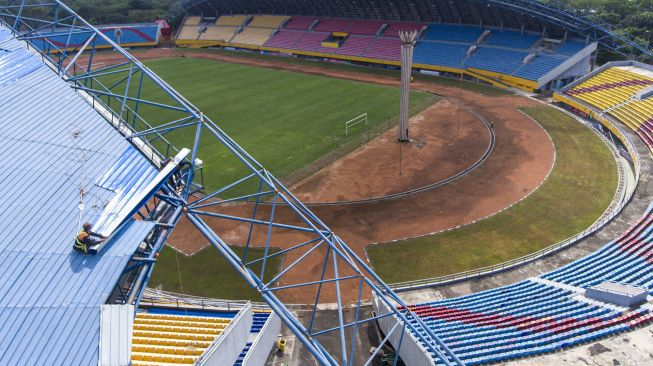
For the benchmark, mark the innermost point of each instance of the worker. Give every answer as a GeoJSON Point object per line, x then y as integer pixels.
{"type": "Point", "coordinates": [84, 240]}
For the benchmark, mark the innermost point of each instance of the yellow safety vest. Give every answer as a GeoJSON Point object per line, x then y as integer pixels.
{"type": "Point", "coordinates": [79, 243]}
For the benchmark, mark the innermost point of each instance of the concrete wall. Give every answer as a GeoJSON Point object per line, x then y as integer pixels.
{"type": "Point", "coordinates": [618, 294]}
{"type": "Point", "coordinates": [116, 329]}
{"type": "Point", "coordinates": [411, 351]}
{"type": "Point", "coordinates": [572, 62]}
{"type": "Point", "coordinates": [227, 347]}
{"type": "Point", "coordinates": [264, 342]}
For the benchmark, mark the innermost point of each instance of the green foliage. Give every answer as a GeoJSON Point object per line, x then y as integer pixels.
{"type": "Point", "coordinates": [124, 11]}
{"type": "Point", "coordinates": [634, 17]}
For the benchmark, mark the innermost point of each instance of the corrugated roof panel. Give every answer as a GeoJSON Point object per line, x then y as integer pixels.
{"type": "Point", "coordinates": [15, 61]}
{"type": "Point", "coordinates": [49, 294]}
{"type": "Point", "coordinates": [44, 284]}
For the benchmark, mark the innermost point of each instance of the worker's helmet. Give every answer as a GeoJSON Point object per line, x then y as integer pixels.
{"type": "Point", "coordinates": [87, 226]}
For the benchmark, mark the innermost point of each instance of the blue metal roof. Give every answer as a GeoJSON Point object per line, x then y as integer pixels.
{"type": "Point", "coordinates": [54, 143]}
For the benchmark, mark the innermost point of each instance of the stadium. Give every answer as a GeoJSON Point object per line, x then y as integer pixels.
{"type": "Point", "coordinates": [284, 182]}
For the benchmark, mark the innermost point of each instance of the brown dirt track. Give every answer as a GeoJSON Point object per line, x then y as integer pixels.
{"type": "Point", "coordinates": [441, 149]}
{"type": "Point", "coordinates": [521, 160]}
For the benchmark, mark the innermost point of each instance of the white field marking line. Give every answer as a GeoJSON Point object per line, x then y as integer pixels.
{"type": "Point", "coordinates": [492, 214]}
{"type": "Point", "coordinates": [184, 253]}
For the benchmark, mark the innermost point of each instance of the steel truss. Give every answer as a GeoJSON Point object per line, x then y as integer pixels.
{"type": "Point", "coordinates": [155, 117]}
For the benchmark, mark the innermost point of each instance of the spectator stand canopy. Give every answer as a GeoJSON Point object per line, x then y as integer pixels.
{"type": "Point", "coordinates": [50, 296]}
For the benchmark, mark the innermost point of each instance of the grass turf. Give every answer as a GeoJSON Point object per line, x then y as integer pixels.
{"type": "Point", "coordinates": [579, 189]}
{"type": "Point", "coordinates": [285, 120]}
{"type": "Point", "coordinates": [208, 274]}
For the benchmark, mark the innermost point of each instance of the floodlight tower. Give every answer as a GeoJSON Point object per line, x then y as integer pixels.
{"type": "Point", "coordinates": [407, 46]}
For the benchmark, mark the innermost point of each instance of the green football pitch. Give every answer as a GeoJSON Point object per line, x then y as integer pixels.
{"type": "Point", "coordinates": [285, 120]}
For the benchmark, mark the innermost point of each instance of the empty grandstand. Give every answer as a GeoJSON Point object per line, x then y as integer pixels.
{"type": "Point", "coordinates": [192, 330]}
{"type": "Point", "coordinates": [510, 57]}
{"type": "Point", "coordinates": [547, 45]}
{"type": "Point", "coordinates": [621, 90]}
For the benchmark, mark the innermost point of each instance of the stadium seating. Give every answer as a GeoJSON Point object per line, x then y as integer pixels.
{"type": "Point", "coordinates": [610, 88]}
{"type": "Point", "coordinates": [285, 39]}
{"type": "Point", "coordinates": [218, 33]}
{"type": "Point", "coordinates": [394, 28]}
{"type": "Point", "coordinates": [300, 23]}
{"type": "Point", "coordinates": [365, 27]}
{"type": "Point", "coordinates": [190, 29]}
{"type": "Point", "coordinates": [189, 32]}
{"type": "Point", "coordinates": [253, 36]}
{"type": "Point", "coordinates": [384, 49]}
{"type": "Point", "coordinates": [539, 66]}
{"type": "Point", "coordinates": [524, 319]}
{"type": "Point", "coordinates": [453, 33]}
{"type": "Point", "coordinates": [311, 41]}
{"type": "Point", "coordinates": [231, 20]}
{"type": "Point", "coordinates": [497, 60]}
{"type": "Point", "coordinates": [637, 114]}
{"type": "Point", "coordinates": [354, 45]}
{"type": "Point", "coordinates": [128, 35]}
{"type": "Point", "coordinates": [550, 313]}
{"type": "Point", "coordinates": [193, 20]}
{"type": "Point", "coordinates": [512, 39]}
{"type": "Point", "coordinates": [260, 317]}
{"type": "Point", "coordinates": [258, 31]}
{"type": "Point", "coordinates": [333, 25]}
{"type": "Point", "coordinates": [268, 21]}
{"type": "Point", "coordinates": [451, 55]}
{"type": "Point", "coordinates": [173, 339]}
{"type": "Point", "coordinates": [627, 259]}
{"type": "Point", "coordinates": [570, 48]}
{"type": "Point", "coordinates": [443, 45]}
{"type": "Point", "coordinates": [612, 91]}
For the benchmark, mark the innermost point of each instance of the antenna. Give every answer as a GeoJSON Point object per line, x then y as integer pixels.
{"type": "Point", "coordinates": [75, 134]}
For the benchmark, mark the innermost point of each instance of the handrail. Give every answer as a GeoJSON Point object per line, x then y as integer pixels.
{"type": "Point", "coordinates": [152, 297]}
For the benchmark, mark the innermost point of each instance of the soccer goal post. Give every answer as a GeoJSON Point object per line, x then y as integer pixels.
{"type": "Point", "coordinates": [353, 122]}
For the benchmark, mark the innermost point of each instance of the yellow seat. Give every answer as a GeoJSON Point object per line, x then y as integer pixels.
{"type": "Point", "coordinates": [268, 21]}
{"type": "Point", "coordinates": [231, 20]}
{"type": "Point", "coordinates": [173, 339]}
